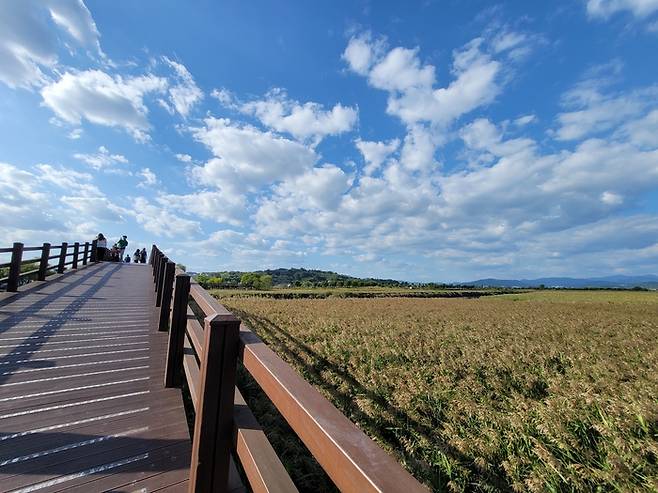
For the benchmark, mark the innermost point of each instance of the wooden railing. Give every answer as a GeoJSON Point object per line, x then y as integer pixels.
{"type": "Point", "coordinates": [81, 254]}
{"type": "Point", "coordinates": [206, 357]}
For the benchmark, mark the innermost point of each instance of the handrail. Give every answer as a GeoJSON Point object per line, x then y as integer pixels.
{"type": "Point", "coordinates": [351, 459]}
{"type": "Point", "coordinates": [15, 278]}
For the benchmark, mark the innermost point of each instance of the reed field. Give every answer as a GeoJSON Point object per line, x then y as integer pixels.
{"type": "Point", "coordinates": [539, 391]}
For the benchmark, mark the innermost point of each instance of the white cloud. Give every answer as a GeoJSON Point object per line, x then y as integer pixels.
{"type": "Point", "coordinates": [185, 94]}
{"type": "Point", "coordinates": [24, 203]}
{"type": "Point", "coordinates": [74, 16]}
{"type": "Point", "coordinates": [184, 158]}
{"type": "Point", "coordinates": [160, 221]}
{"type": "Point", "coordinates": [102, 99]}
{"type": "Point", "coordinates": [53, 203]}
{"type": "Point", "coordinates": [605, 8]}
{"type": "Point", "coordinates": [99, 208]}
{"type": "Point", "coordinates": [611, 198]}
{"type": "Point", "coordinates": [67, 179]}
{"type": "Point", "coordinates": [412, 95]}
{"type": "Point", "coordinates": [214, 205]}
{"type": "Point", "coordinates": [418, 149]}
{"type": "Point", "coordinates": [302, 121]}
{"type": "Point", "coordinates": [29, 41]}
{"type": "Point", "coordinates": [225, 97]}
{"type": "Point", "coordinates": [148, 178]}
{"type": "Point", "coordinates": [592, 111]}
{"type": "Point", "coordinates": [103, 159]}
{"type": "Point", "coordinates": [375, 153]}
{"type": "Point", "coordinates": [75, 134]}
{"type": "Point", "coordinates": [321, 187]}
{"type": "Point", "coordinates": [400, 70]}
{"type": "Point", "coordinates": [643, 131]}
{"type": "Point", "coordinates": [247, 158]}
{"type": "Point", "coordinates": [361, 52]}
{"type": "Point", "coordinates": [524, 120]}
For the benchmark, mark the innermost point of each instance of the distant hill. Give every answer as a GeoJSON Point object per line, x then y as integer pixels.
{"type": "Point", "coordinates": [306, 277]}
{"type": "Point", "coordinates": [626, 282]}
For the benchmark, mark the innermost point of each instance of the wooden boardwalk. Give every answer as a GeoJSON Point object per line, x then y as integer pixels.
{"type": "Point", "coordinates": [82, 402]}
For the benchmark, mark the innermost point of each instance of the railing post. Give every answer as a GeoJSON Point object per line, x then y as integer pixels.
{"type": "Point", "coordinates": [15, 267]}
{"type": "Point", "coordinates": [152, 253]}
{"type": "Point", "coordinates": [156, 268]}
{"type": "Point", "coordinates": [85, 252]}
{"type": "Point", "coordinates": [158, 287]}
{"type": "Point", "coordinates": [174, 364]}
{"type": "Point", "coordinates": [167, 287]}
{"type": "Point", "coordinates": [94, 251]}
{"type": "Point", "coordinates": [76, 251]}
{"type": "Point", "coordinates": [62, 257]}
{"type": "Point", "coordinates": [43, 263]}
{"type": "Point", "coordinates": [213, 425]}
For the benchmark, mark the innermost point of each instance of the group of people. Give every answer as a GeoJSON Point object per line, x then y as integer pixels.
{"type": "Point", "coordinates": [116, 253]}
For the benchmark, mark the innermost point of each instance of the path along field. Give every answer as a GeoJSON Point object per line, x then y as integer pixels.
{"type": "Point", "coordinates": [541, 391]}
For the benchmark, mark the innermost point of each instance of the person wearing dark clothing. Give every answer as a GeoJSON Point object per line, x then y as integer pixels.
{"type": "Point", "coordinates": [137, 255]}
{"type": "Point", "coordinates": [122, 244]}
{"type": "Point", "coordinates": [142, 257]}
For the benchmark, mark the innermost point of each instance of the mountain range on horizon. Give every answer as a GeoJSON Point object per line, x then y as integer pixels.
{"type": "Point", "coordinates": [616, 281]}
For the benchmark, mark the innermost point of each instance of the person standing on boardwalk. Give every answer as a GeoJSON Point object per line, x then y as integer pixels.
{"type": "Point", "coordinates": [142, 257]}
{"type": "Point", "coordinates": [136, 256]}
{"type": "Point", "coordinates": [122, 244]}
{"type": "Point", "coordinates": [101, 247]}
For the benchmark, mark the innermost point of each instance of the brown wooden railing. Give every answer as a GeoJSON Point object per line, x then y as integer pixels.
{"type": "Point", "coordinates": [81, 253]}
{"type": "Point", "coordinates": [206, 357]}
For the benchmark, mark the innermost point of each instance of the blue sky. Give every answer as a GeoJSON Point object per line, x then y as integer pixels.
{"type": "Point", "coordinates": [434, 140]}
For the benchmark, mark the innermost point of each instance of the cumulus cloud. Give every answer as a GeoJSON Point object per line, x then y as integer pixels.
{"type": "Point", "coordinates": [103, 159]}
{"type": "Point", "coordinates": [35, 203]}
{"type": "Point", "coordinates": [307, 121]}
{"type": "Point", "coordinates": [605, 8]}
{"type": "Point", "coordinates": [375, 153]}
{"type": "Point", "coordinates": [209, 204]}
{"type": "Point", "coordinates": [161, 221]}
{"type": "Point", "coordinates": [361, 52]}
{"type": "Point", "coordinates": [100, 98]}
{"type": "Point", "coordinates": [247, 158]}
{"type": "Point", "coordinates": [148, 178]}
{"type": "Point", "coordinates": [99, 208]}
{"type": "Point", "coordinates": [321, 187]}
{"type": "Point", "coordinates": [413, 96]}
{"type": "Point", "coordinates": [30, 37]}
{"type": "Point", "coordinates": [418, 149]}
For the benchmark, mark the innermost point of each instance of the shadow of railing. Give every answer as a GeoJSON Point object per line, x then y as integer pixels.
{"type": "Point", "coordinates": [34, 341]}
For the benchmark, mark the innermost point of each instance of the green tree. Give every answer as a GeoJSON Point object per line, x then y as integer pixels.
{"type": "Point", "coordinates": [249, 280]}
{"type": "Point", "coordinates": [265, 282]}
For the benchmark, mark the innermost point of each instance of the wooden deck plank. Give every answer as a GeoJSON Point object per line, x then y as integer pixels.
{"type": "Point", "coordinates": [82, 406]}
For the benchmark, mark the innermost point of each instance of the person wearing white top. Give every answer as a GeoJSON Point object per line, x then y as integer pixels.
{"type": "Point", "coordinates": [101, 247]}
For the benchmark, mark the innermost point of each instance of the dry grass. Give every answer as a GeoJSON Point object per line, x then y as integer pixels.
{"type": "Point", "coordinates": [543, 391]}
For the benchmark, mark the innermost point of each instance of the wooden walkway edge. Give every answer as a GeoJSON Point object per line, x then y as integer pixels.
{"type": "Point", "coordinates": [82, 402]}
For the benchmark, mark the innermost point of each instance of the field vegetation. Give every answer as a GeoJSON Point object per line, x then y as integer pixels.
{"type": "Point", "coordinates": [537, 391]}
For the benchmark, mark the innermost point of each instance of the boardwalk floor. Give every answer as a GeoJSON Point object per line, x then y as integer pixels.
{"type": "Point", "coordinates": [82, 403]}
